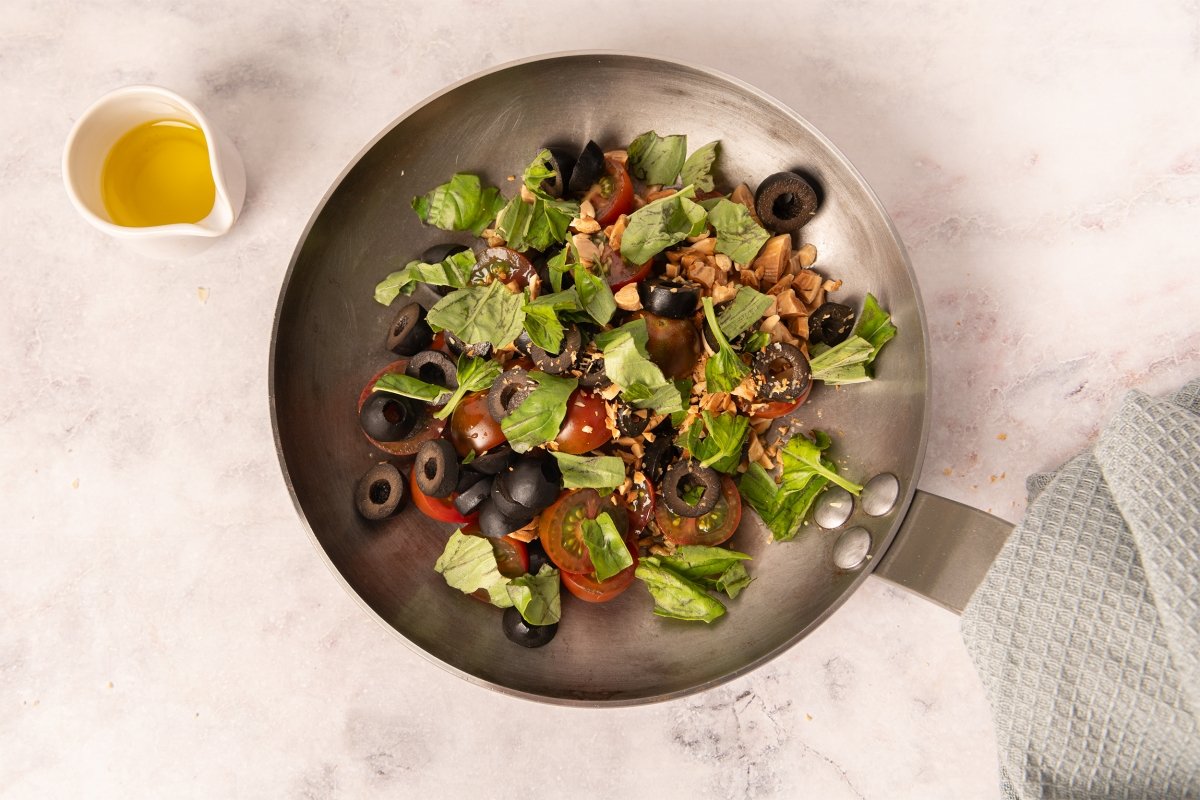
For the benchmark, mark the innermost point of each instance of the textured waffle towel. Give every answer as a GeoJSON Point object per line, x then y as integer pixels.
{"type": "Point", "coordinates": [1086, 631]}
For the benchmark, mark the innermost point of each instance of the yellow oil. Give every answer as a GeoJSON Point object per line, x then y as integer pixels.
{"type": "Point", "coordinates": [158, 174]}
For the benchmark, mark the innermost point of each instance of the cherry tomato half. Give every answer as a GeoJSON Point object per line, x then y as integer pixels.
{"type": "Point", "coordinates": [778, 409]}
{"type": "Point", "coordinates": [672, 344]}
{"type": "Point", "coordinates": [472, 426]}
{"type": "Point", "coordinates": [620, 272]}
{"type": "Point", "coordinates": [710, 529]}
{"type": "Point", "coordinates": [583, 427]}
{"type": "Point", "coordinates": [612, 195]}
{"type": "Point", "coordinates": [639, 502]}
{"type": "Point", "coordinates": [561, 528]}
{"type": "Point", "coordinates": [590, 590]}
{"type": "Point", "coordinates": [440, 508]}
{"type": "Point", "coordinates": [504, 264]}
{"type": "Point", "coordinates": [406, 447]}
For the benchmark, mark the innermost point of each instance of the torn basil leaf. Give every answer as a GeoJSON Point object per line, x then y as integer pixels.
{"type": "Point", "coordinates": [468, 564]}
{"type": "Point", "coordinates": [746, 309]}
{"type": "Point", "coordinates": [460, 204]}
{"type": "Point", "coordinates": [724, 370]}
{"type": "Point", "coordinates": [595, 296]}
{"type": "Point", "coordinates": [720, 447]}
{"type": "Point", "coordinates": [537, 596]}
{"type": "Point", "coordinates": [605, 546]}
{"type": "Point", "coordinates": [590, 472]}
{"type": "Point", "coordinates": [850, 361]}
{"type": "Point", "coordinates": [675, 596]}
{"type": "Point", "coordinates": [801, 458]}
{"type": "Point", "coordinates": [642, 383]}
{"type": "Point", "coordinates": [657, 159]}
{"type": "Point", "coordinates": [733, 580]}
{"type": "Point", "coordinates": [738, 235]}
{"type": "Point", "coordinates": [660, 224]}
{"type": "Point", "coordinates": [537, 420]}
{"type": "Point", "coordinates": [474, 375]}
{"type": "Point", "coordinates": [408, 386]}
{"type": "Point", "coordinates": [476, 314]}
{"type": "Point", "coordinates": [697, 170]}
{"type": "Point", "coordinates": [454, 271]}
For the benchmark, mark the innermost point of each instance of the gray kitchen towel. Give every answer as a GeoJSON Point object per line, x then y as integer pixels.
{"type": "Point", "coordinates": [1086, 630]}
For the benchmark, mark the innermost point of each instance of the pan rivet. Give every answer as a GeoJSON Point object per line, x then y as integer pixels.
{"type": "Point", "coordinates": [833, 508]}
{"type": "Point", "coordinates": [880, 494]}
{"type": "Point", "coordinates": [851, 548]}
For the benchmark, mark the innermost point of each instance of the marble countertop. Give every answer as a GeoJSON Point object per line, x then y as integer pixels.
{"type": "Point", "coordinates": [169, 630]}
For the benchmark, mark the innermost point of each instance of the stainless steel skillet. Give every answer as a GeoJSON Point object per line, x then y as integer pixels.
{"type": "Point", "coordinates": [328, 340]}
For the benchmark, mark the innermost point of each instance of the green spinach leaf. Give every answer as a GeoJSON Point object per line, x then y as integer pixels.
{"type": "Point", "coordinates": [850, 361]}
{"type": "Point", "coordinates": [642, 382]}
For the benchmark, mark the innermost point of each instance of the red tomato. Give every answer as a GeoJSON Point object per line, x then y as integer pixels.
{"type": "Point", "coordinates": [590, 590]}
{"type": "Point", "coordinates": [639, 503]}
{"type": "Point", "coordinates": [472, 426]}
{"type": "Point", "coordinates": [433, 427]}
{"type": "Point", "coordinates": [778, 409]}
{"type": "Point", "coordinates": [439, 342]}
{"type": "Point", "coordinates": [504, 264]}
{"type": "Point", "coordinates": [620, 272]}
{"type": "Point", "coordinates": [440, 508]}
{"type": "Point", "coordinates": [710, 529]}
{"type": "Point", "coordinates": [612, 195]}
{"type": "Point", "coordinates": [561, 528]}
{"type": "Point", "coordinates": [583, 427]}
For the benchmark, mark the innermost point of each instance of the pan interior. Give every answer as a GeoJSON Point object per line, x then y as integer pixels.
{"type": "Point", "coordinates": [329, 340]}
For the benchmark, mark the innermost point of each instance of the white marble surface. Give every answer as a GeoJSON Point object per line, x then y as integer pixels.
{"type": "Point", "coordinates": [169, 630]}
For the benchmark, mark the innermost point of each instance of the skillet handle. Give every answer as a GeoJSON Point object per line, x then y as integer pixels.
{"type": "Point", "coordinates": [943, 549]}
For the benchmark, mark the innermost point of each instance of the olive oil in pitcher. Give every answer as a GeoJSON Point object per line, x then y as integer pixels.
{"type": "Point", "coordinates": [158, 174]}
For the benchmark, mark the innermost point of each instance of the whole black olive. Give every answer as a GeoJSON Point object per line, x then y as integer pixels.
{"type": "Point", "coordinates": [494, 460]}
{"type": "Point", "coordinates": [782, 373]}
{"type": "Point", "coordinates": [494, 524]}
{"type": "Point", "coordinates": [511, 388]}
{"type": "Point", "coordinates": [674, 298]}
{"type": "Point", "coordinates": [830, 324]}
{"type": "Point", "coordinates": [440, 252]}
{"type": "Point", "coordinates": [588, 169]}
{"type": "Point", "coordinates": [681, 477]}
{"type": "Point", "coordinates": [470, 499]}
{"type": "Point", "coordinates": [564, 359]}
{"type": "Point", "coordinates": [562, 161]}
{"type": "Point", "coordinates": [436, 468]}
{"type": "Point", "coordinates": [380, 492]}
{"type": "Point", "coordinates": [785, 202]}
{"type": "Point", "coordinates": [521, 632]}
{"type": "Point", "coordinates": [433, 366]}
{"type": "Point", "coordinates": [457, 346]}
{"type": "Point", "coordinates": [631, 421]}
{"type": "Point", "coordinates": [534, 481]}
{"type": "Point", "coordinates": [387, 417]}
{"type": "Point", "coordinates": [409, 333]}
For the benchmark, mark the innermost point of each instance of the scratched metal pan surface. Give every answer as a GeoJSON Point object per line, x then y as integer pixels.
{"type": "Point", "coordinates": [329, 339]}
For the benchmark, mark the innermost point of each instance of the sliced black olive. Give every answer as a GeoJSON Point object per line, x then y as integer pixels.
{"type": "Point", "coordinates": [588, 169]}
{"type": "Point", "coordinates": [785, 202]}
{"type": "Point", "coordinates": [537, 556]}
{"type": "Point", "coordinates": [660, 452]}
{"type": "Point", "coordinates": [494, 460]}
{"type": "Point", "coordinates": [509, 390]}
{"type": "Point", "coordinates": [494, 524]}
{"type": "Point", "coordinates": [457, 346]}
{"type": "Point", "coordinates": [562, 161]}
{"type": "Point", "coordinates": [433, 366]}
{"type": "Point", "coordinates": [523, 343]}
{"type": "Point", "coordinates": [387, 417]}
{"type": "Point", "coordinates": [631, 421]}
{"type": "Point", "coordinates": [674, 298]}
{"type": "Point", "coordinates": [521, 632]}
{"type": "Point", "coordinates": [534, 481]}
{"type": "Point", "coordinates": [830, 324]}
{"type": "Point", "coordinates": [506, 505]}
{"type": "Point", "coordinates": [468, 477]}
{"type": "Point", "coordinates": [470, 499]}
{"type": "Point", "coordinates": [782, 372]}
{"type": "Point", "coordinates": [440, 252]}
{"type": "Point", "coordinates": [683, 479]}
{"type": "Point", "coordinates": [564, 359]}
{"type": "Point", "coordinates": [409, 334]}
{"type": "Point", "coordinates": [591, 371]}
{"type": "Point", "coordinates": [436, 468]}
{"type": "Point", "coordinates": [380, 492]}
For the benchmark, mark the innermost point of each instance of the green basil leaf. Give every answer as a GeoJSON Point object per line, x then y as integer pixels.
{"type": "Point", "coordinates": [537, 596]}
{"type": "Point", "coordinates": [594, 295]}
{"type": "Point", "coordinates": [875, 325]}
{"type": "Point", "coordinates": [684, 385]}
{"type": "Point", "coordinates": [468, 564]}
{"type": "Point", "coordinates": [408, 386]}
{"type": "Point", "coordinates": [675, 596]}
{"type": "Point", "coordinates": [537, 420]}
{"type": "Point", "coordinates": [461, 204]}
{"type": "Point", "coordinates": [660, 224]}
{"type": "Point", "coordinates": [697, 170]}
{"type": "Point", "coordinates": [738, 235]}
{"type": "Point", "coordinates": [657, 159]}
{"type": "Point", "coordinates": [800, 459]}
{"type": "Point", "coordinates": [543, 326]}
{"type": "Point", "coordinates": [782, 509]}
{"type": "Point", "coordinates": [538, 172]}
{"type": "Point", "coordinates": [724, 370]}
{"type": "Point", "coordinates": [637, 329]}
{"type": "Point", "coordinates": [695, 561]}
{"type": "Point", "coordinates": [642, 382]}
{"type": "Point", "coordinates": [746, 309]}
{"type": "Point", "coordinates": [733, 580]}
{"type": "Point", "coordinates": [757, 341]}
{"type": "Point", "coordinates": [454, 271]}
{"type": "Point", "coordinates": [474, 375]}
{"type": "Point", "coordinates": [558, 267]}
{"type": "Point", "coordinates": [605, 545]}
{"type": "Point", "coordinates": [481, 314]}
{"type": "Point", "coordinates": [590, 472]}
{"type": "Point", "coordinates": [721, 447]}
{"type": "Point", "coordinates": [850, 361]}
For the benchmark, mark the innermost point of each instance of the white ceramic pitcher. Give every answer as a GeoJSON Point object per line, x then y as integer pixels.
{"type": "Point", "coordinates": [111, 117]}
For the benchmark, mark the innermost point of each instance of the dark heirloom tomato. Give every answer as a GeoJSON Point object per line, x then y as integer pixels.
{"type": "Point", "coordinates": [620, 272]}
{"type": "Point", "coordinates": [590, 590]}
{"type": "Point", "coordinates": [776, 410]}
{"type": "Point", "coordinates": [512, 558]}
{"type": "Point", "coordinates": [472, 426]}
{"type": "Point", "coordinates": [561, 527]}
{"type": "Point", "coordinates": [406, 447]}
{"type": "Point", "coordinates": [583, 427]}
{"type": "Point", "coordinates": [710, 529]}
{"type": "Point", "coordinates": [504, 264]}
{"type": "Point", "coordinates": [612, 195]}
{"type": "Point", "coordinates": [440, 508]}
{"type": "Point", "coordinates": [671, 344]}
{"type": "Point", "coordinates": [639, 502]}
